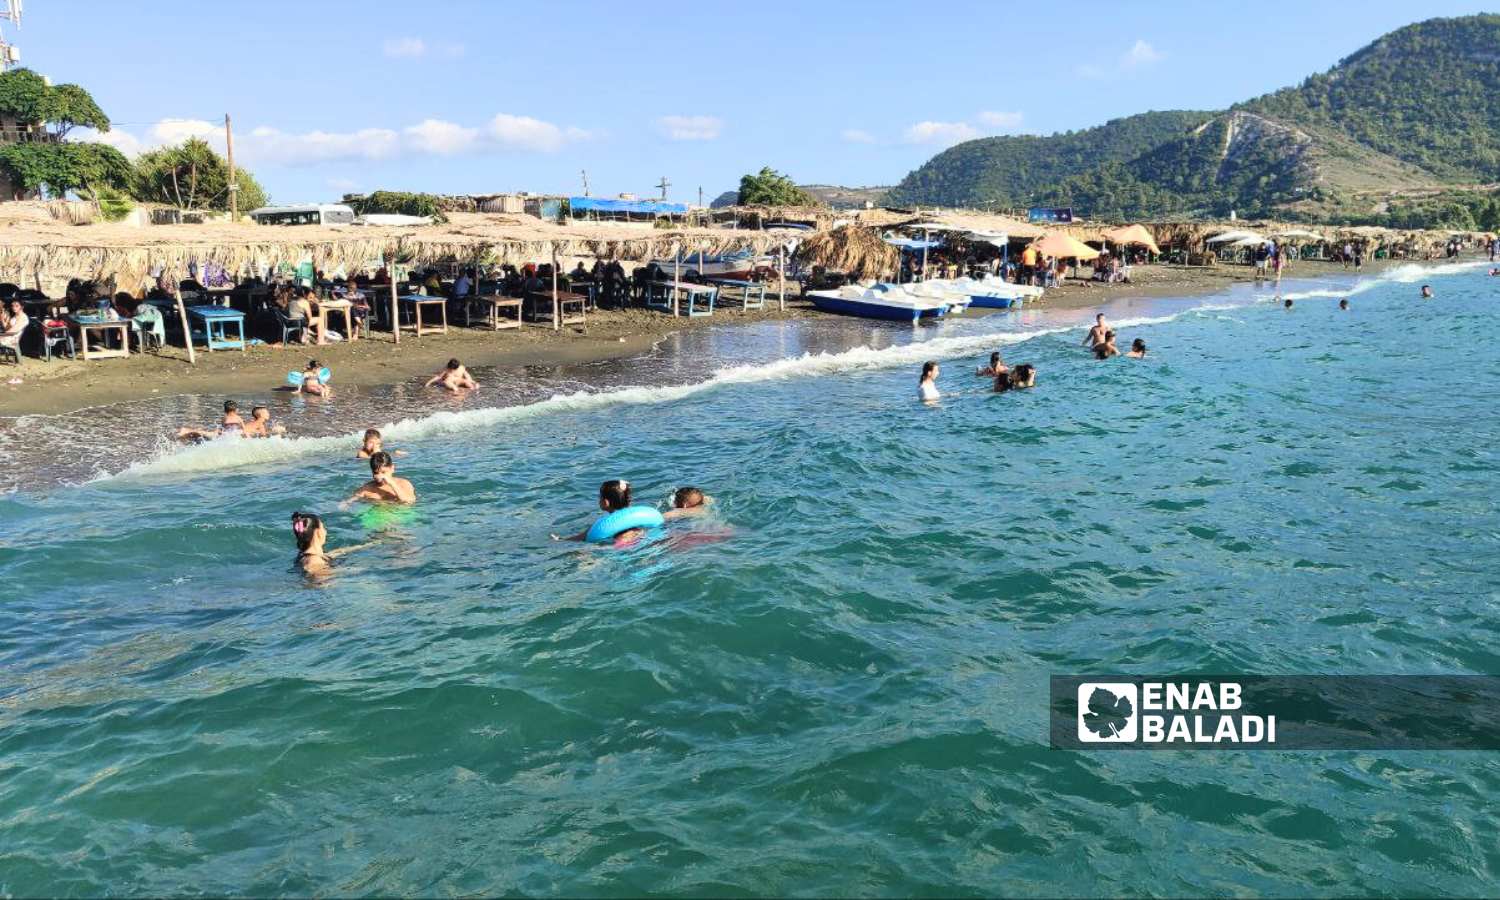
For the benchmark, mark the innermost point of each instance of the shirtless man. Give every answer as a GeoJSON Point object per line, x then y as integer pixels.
{"type": "Point", "coordinates": [1097, 333]}
{"type": "Point", "coordinates": [1426, 292]}
{"type": "Point", "coordinates": [1106, 348]}
{"type": "Point", "coordinates": [455, 377]}
{"type": "Point", "coordinates": [384, 486]}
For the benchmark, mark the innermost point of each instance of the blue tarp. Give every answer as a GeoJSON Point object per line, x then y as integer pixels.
{"type": "Point", "coordinates": [643, 207]}
{"type": "Point", "coordinates": [912, 245]}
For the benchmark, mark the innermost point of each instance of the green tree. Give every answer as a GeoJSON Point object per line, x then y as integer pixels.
{"type": "Point", "coordinates": [57, 169]}
{"type": "Point", "coordinates": [24, 95]}
{"type": "Point", "coordinates": [771, 188]}
{"type": "Point", "coordinates": [68, 106]}
{"type": "Point", "coordinates": [192, 176]}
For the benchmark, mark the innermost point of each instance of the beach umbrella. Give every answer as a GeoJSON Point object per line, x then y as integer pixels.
{"type": "Point", "coordinates": [1132, 234]}
{"type": "Point", "coordinates": [1300, 233]}
{"type": "Point", "coordinates": [1231, 236]}
{"type": "Point", "coordinates": [1064, 246]}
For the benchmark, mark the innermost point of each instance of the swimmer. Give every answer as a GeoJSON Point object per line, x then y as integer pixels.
{"type": "Point", "coordinates": [1495, 271]}
{"type": "Point", "coordinates": [614, 495]}
{"type": "Point", "coordinates": [1288, 303]}
{"type": "Point", "coordinates": [1137, 349]}
{"type": "Point", "coordinates": [311, 534]}
{"type": "Point", "coordinates": [927, 387]}
{"type": "Point", "coordinates": [384, 486]}
{"type": "Point", "coordinates": [1426, 292]}
{"type": "Point", "coordinates": [454, 377]}
{"type": "Point", "coordinates": [1024, 376]}
{"type": "Point", "coordinates": [1344, 303]}
{"type": "Point", "coordinates": [688, 501]}
{"type": "Point", "coordinates": [1106, 348]}
{"type": "Point", "coordinates": [996, 367]}
{"type": "Point", "coordinates": [312, 384]}
{"type": "Point", "coordinates": [260, 425]}
{"type": "Point", "coordinates": [1096, 334]}
{"type": "Point", "coordinates": [232, 423]}
{"type": "Point", "coordinates": [373, 444]}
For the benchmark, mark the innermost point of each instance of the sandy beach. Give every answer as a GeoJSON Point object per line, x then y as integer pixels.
{"type": "Point", "coordinates": [67, 385]}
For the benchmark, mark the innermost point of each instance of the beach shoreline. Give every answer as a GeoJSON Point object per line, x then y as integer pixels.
{"type": "Point", "coordinates": [64, 386]}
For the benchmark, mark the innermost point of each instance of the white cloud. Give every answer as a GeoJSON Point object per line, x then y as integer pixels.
{"type": "Point", "coordinates": [1140, 54]}
{"type": "Point", "coordinates": [857, 136]}
{"type": "Point", "coordinates": [343, 185]}
{"type": "Point", "coordinates": [1004, 121]}
{"type": "Point", "coordinates": [405, 48]}
{"type": "Point", "coordinates": [690, 128]}
{"type": "Point", "coordinates": [945, 133]}
{"type": "Point", "coordinates": [430, 137]}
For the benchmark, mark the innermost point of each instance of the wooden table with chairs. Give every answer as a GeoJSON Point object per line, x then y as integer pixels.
{"type": "Point", "coordinates": [101, 328]}
{"type": "Point", "coordinates": [567, 308]}
{"type": "Point", "coordinates": [416, 302]}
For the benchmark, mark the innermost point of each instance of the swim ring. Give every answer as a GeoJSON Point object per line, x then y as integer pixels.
{"type": "Point", "coordinates": [295, 378]}
{"type": "Point", "coordinates": [606, 527]}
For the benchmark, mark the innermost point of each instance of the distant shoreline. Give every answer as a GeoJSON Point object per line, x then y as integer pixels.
{"type": "Point", "coordinates": [64, 386]}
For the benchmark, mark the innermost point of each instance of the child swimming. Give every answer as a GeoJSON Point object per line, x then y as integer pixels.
{"type": "Point", "coordinates": [232, 423]}
{"type": "Point", "coordinates": [614, 495]}
{"type": "Point", "coordinates": [373, 444]}
{"type": "Point", "coordinates": [995, 368]}
{"type": "Point", "coordinates": [1137, 349]}
{"type": "Point", "coordinates": [312, 383]}
{"type": "Point", "coordinates": [688, 501]}
{"type": "Point", "coordinates": [927, 390]}
{"type": "Point", "coordinates": [311, 534]}
{"type": "Point", "coordinates": [384, 486]}
{"type": "Point", "coordinates": [454, 377]}
{"type": "Point", "coordinates": [260, 425]}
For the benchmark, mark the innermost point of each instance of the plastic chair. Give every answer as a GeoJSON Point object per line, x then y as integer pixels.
{"type": "Point", "coordinates": [53, 335]}
{"type": "Point", "coordinates": [289, 325]}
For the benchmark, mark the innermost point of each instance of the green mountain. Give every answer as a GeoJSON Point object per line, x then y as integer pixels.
{"type": "Point", "coordinates": [1011, 170]}
{"type": "Point", "coordinates": [1406, 131]}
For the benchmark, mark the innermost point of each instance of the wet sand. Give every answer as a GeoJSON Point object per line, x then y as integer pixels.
{"type": "Point", "coordinates": [66, 385]}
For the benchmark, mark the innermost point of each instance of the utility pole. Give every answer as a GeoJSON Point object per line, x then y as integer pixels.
{"type": "Point", "coordinates": [234, 186]}
{"type": "Point", "coordinates": [664, 185]}
{"type": "Point", "coordinates": [700, 195]}
{"type": "Point", "coordinates": [585, 182]}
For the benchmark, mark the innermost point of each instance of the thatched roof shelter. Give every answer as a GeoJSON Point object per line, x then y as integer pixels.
{"type": "Point", "coordinates": [33, 245]}
{"type": "Point", "coordinates": [854, 250]}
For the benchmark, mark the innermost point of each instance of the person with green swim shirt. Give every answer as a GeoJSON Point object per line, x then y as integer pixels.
{"type": "Point", "coordinates": [384, 486]}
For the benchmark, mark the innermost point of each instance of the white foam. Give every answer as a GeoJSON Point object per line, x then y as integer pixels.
{"type": "Point", "coordinates": [1406, 273]}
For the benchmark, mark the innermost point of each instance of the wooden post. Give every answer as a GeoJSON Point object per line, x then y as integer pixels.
{"type": "Point", "coordinates": [234, 197]}
{"type": "Point", "coordinates": [556, 313]}
{"type": "Point", "coordinates": [187, 333]}
{"type": "Point", "coordinates": [781, 272]}
{"type": "Point", "coordinates": [390, 274]}
{"type": "Point", "coordinates": [676, 275]}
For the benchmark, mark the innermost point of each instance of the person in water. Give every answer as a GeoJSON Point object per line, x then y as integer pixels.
{"type": "Point", "coordinates": [614, 495]}
{"type": "Point", "coordinates": [687, 502]}
{"type": "Point", "coordinates": [231, 423]}
{"type": "Point", "coordinates": [1137, 349]}
{"type": "Point", "coordinates": [311, 535]}
{"type": "Point", "coordinates": [384, 486]}
{"type": "Point", "coordinates": [1344, 303]}
{"type": "Point", "coordinates": [1023, 376]}
{"type": "Point", "coordinates": [996, 368]}
{"type": "Point", "coordinates": [927, 387]}
{"type": "Point", "coordinates": [454, 377]}
{"type": "Point", "coordinates": [312, 382]}
{"type": "Point", "coordinates": [1426, 292]}
{"type": "Point", "coordinates": [373, 444]}
{"type": "Point", "coordinates": [260, 425]}
{"type": "Point", "coordinates": [1288, 303]}
{"type": "Point", "coordinates": [1096, 335]}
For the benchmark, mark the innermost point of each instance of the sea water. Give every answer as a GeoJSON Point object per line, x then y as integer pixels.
{"type": "Point", "coordinates": [836, 683]}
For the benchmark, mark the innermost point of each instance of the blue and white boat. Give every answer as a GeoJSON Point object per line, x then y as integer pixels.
{"type": "Point", "coordinates": [993, 293]}
{"type": "Point", "coordinates": [891, 305]}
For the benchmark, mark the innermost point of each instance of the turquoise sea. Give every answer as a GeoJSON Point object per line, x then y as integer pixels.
{"type": "Point", "coordinates": [837, 684]}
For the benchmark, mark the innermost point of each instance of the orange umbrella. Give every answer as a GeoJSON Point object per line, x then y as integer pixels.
{"type": "Point", "coordinates": [1132, 234]}
{"type": "Point", "coordinates": [1064, 246]}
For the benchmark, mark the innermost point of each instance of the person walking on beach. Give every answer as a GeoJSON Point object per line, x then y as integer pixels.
{"type": "Point", "coordinates": [1096, 334]}
{"type": "Point", "coordinates": [1348, 253]}
{"type": "Point", "coordinates": [384, 486]}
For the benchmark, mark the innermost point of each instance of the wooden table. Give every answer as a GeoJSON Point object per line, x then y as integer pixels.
{"type": "Point", "coordinates": [85, 325]}
{"type": "Point", "coordinates": [417, 301]}
{"type": "Point", "coordinates": [339, 306]}
{"type": "Point", "coordinates": [670, 290]}
{"type": "Point", "coordinates": [746, 288]}
{"type": "Point", "coordinates": [561, 303]}
{"type": "Point", "coordinates": [497, 302]}
{"type": "Point", "coordinates": [210, 316]}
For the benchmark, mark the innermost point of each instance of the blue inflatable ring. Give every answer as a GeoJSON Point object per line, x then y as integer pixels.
{"type": "Point", "coordinates": [295, 378]}
{"type": "Point", "coordinates": [606, 527]}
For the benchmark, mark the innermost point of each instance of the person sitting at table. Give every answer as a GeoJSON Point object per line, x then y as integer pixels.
{"type": "Point", "coordinates": [303, 304]}
{"type": "Point", "coordinates": [359, 307]}
{"type": "Point", "coordinates": [13, 323]}
{"type": "Point", "coordinates": [579, 273]}
{"type": "Point", "coordinates": [432, 284]}
{"type": "Point", "coordinates": [454, 377]}
{"type": "Point", "coordinates": [147, 319]}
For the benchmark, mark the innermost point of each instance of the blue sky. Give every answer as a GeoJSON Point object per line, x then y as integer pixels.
{"type": "Point", "coordinates": [466, 96]}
